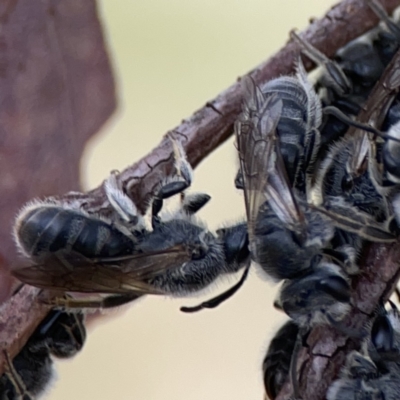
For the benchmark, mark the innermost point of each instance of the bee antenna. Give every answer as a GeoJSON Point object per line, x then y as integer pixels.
{"type": "Point", "coordinates": [216, 301]}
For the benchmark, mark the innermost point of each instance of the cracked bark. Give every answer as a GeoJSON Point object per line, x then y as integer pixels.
{"type": "Point", "coordinates": [200, 134]}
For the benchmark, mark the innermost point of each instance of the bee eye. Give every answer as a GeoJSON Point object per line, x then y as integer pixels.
{"type": "Point", "coordinates": [347, 183]}
{"type": "Point", "coordinates": [198, 253]}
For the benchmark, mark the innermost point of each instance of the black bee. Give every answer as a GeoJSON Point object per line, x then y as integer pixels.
{"type": "Point", "coordinates": [287, 229]}
{"type": "Point", "coordinates": [297, 125]}
{"type": "Point", "coordinates": [73, 250]}
{"type": "Point", "coordinates": [360, 167]}
{"type": "Point", "coordinates": [28, 375]}
{"type": "Point", "coordinates": [347, 81]}
{"type": "Point", "coordinates": [290, 232]}
{"type": "Point", "coordinates": [361, 380]}
{"type": "Point", "coordinates": [276, 364]}
{"type": "Point", "coordinates": [375, 374]}
{"type": "Point", "coordinates": [349, 84]}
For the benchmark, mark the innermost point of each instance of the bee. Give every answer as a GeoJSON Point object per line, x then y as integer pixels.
{"type": "Point", "coordinates": [374, 373]}
{"type": "Point", "coordinates": [297, 125]}
{"type": "Point", "coordinates": [361, 380]}
{"type": "Point", "coordinates": [361, 167]}
{"type": "Point", "coordinates": [29, 374]}
{"type": "Point", "coordinates": [291, 233]}
{"type": "Point", "coordinates": [347, 81]}
{"type": "Point", "coordinates": [382, 347]}
{"type": "Point", "coordinates": [383, 343]}
{"type": "Point", "coordinates": [72, 250]}
{"type": "Point", "coordinates": [276, 363]}
{"type": "Point", "coordinates": [278, 217]}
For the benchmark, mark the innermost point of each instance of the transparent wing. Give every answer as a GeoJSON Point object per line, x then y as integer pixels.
{"type": "Point", "coordinates": [261, 163]}
{"type": "Point", "coordinates": [70, 271]}
{"type": "Point", "coordinates": [349, 219]}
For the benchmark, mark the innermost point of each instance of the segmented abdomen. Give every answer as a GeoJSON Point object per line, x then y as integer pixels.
{"type": "Point", "coordinates": [52, 228]}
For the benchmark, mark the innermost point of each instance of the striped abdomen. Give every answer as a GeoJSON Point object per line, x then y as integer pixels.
{"type": "Point", "coordinates": [50, 228]}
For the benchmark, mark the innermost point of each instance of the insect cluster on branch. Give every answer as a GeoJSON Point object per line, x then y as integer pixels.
{"type": "Point", "coordinates": [120, 256]}
{"type": "Point", "coordinates": [315, 193]}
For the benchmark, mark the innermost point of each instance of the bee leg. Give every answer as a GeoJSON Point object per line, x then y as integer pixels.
{"type": "Point", "coordinates": [184, 173]}
{"type": "Point", "coordinates": [390, 155]}
{"type": "Point", "coordinates": [310, 158]}
{"type": "Point", "coordinates": [341, 116]}
{"type": "Point", "coordinates": [68, 335]}
{"type": "Point", "coordinates": [194, 202]}
{"type": "Point", "coordinates": [377, 8]}
{"type": "Point", "coordinates": [182, 166]}
{"type": "Point", "coordinates": [393, 307]}
{"type": "Point", "coordinates": [16, 380]}
{"type": "Point", "coordinates": [311, 149]}
{"type": "Point", "coordinates": [337, 79]}
{"type": "Point", "coordinates": [216, 301]}
{"type": "Point", "coordinates": [166, 191]}
{"type": "Point", "coordinates": [239, 184]}
{"type": "Point", "coordinates": [99, 302]}
{"type": "Point", "coordinates": [121, 203]}
{"type": "Point", "coordinates": [303, 332]}
{"type": "Point", "coordinates": [397, 291]}
{"type": "Point", "coordinates": [345, 258]}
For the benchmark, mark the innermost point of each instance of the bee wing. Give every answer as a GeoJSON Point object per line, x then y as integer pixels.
{"type": "Point", "coordinates": [373, 113]}
{"type": "Point", "coordinates": [261, 163]}
{"type": "Point", "coordinates": [349, 219]}
{"type": "Point", "coordinates": [70, 271]}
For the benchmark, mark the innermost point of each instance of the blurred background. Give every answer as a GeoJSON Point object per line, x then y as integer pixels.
{"type": "Point", "coordinates": [170, 58]}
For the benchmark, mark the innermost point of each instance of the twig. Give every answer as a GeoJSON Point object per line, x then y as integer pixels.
{"type": "Point", "coordinates": [210, 126]}
{"type": "Point", "coordinates": [205, 130]}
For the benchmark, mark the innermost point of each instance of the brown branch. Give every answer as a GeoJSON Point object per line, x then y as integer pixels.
{"type": "Point", "coordinates": [210, 126]}
{"type": "Point", "coordinates": [320, 363]}
{"type": "Point", "coordinates": [200, 134]}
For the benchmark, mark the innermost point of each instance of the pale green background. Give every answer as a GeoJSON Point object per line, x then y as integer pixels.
{"type": "Point", "coordinates": [169, 58]}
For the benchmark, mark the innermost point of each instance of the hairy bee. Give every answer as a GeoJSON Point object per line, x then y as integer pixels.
{"type": "Point", "coordinates": [361, 380]}
{"type": "Point", "coordinates": [360, 167]}
{"type": "Point", "coordinates": [297, 126]}
{"type": "Point", "coordinates": [347, 81]}
{"type": "Point", "coordinates": [291, 233]}
{"type": "Point", "coordinates": [362, 64]}
{"type": "Point", "coordinates": [28, 375]}
{"type": "Point", "coordinates": [375, 374]}
{"type": "Point", "coordinates": [287, 230]}
{"type": "Point", "coordinates": [72, 250]}
{"type": "Point", "coordinates": [276, 363]}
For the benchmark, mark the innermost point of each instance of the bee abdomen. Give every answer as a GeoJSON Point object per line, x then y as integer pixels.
{"type": "Point", "coordinates": [294, 121]}
{"type": "Point", "coordinates": [293, 96]}
{"type": "Point", "coordinates": [276, 363]}
{"type": "Point", "coordinates": [51, 228]}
